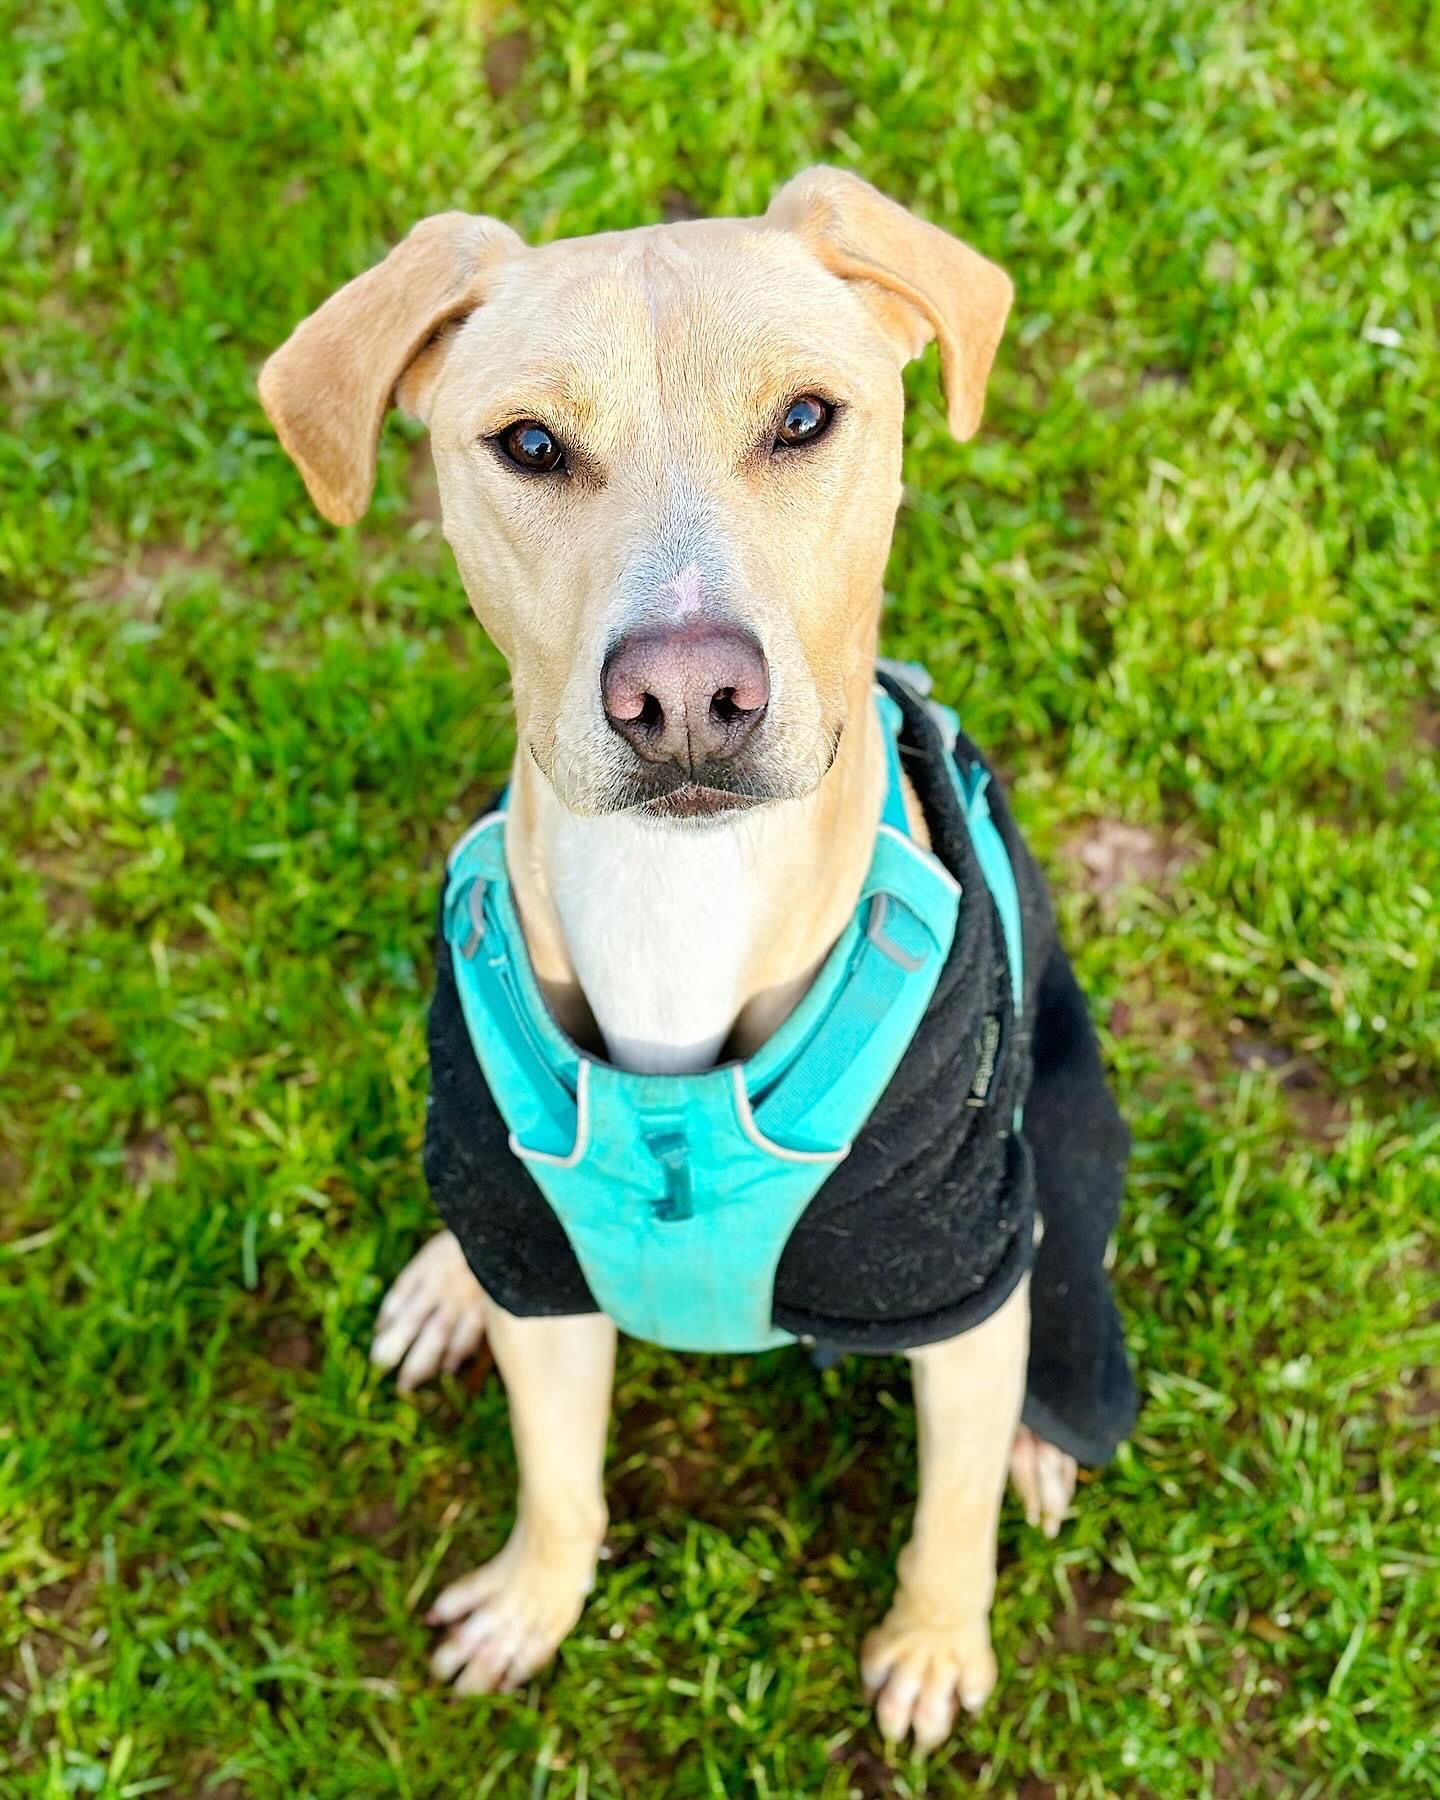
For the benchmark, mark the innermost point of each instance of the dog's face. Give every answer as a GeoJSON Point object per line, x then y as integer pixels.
{"type": "Point", "coordinates": [669, 463]}
{"type": "Point", "coordinates": [666, 369]}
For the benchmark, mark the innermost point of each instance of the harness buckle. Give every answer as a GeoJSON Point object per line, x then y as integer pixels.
{"type": "Point", "coordinates": [677, 1202]}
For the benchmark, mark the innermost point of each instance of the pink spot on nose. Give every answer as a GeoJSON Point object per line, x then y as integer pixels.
{"type": "Point", "coordinates": [687, 590]}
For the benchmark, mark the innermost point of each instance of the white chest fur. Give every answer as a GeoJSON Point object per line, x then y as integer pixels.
{"type": "Point", "coordinates": [660, 924]}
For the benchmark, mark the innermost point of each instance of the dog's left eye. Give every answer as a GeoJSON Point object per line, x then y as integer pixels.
{"type": "Point", "coordinates": [805, 420]}
{"type": "Point", "coordinates": [532, 447]}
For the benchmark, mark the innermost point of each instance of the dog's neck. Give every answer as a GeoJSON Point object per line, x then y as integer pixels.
{"type": "Point", "coordinates": [671, 946]}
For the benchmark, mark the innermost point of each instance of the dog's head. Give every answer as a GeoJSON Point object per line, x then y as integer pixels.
{"type": "Point", "coordinates": [669, 463]}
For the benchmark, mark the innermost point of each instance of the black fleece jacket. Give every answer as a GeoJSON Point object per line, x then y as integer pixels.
{"type": "Point", "coordinates": [928, 1225]}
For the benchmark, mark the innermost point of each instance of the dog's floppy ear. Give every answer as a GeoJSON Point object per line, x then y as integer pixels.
{"type": "Point", "coordinates": [327, 387]}
{"type": "Point", "coordinates": [920, 282]}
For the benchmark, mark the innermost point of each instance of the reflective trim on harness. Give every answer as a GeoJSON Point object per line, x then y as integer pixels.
{"type": "Point", "coordinates": [757, 1137]}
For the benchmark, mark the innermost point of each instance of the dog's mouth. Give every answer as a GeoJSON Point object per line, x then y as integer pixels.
{"type": "Point", "coordinates": [711, 791]}
{"type": "Point", "coordinates": [694, 800]}
{"type": "Point", "coordinates": [707, 791]}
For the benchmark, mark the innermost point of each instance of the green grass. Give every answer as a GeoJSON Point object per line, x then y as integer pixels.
{"type": "Point", "coordinates": [1184, 579]}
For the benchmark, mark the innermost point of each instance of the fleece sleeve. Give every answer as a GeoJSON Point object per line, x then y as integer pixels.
{"type": "Point", "coordinates": [1080, 1394]}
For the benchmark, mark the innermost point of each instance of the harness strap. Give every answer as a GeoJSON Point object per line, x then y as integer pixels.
{"type": "Point", "coordinates": [971, 784]}
{"type": "Point", "coordinates": [891, 720]}
{"type": "Point", "coordinates": [996, 867]}
{"type": "Point", "coordinates": [538, 1077]}
{"type": "Point", "coordinates": [909, 905]}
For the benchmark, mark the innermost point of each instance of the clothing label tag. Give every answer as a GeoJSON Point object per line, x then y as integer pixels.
{"type": "Point", "coordinates": [989, 1056]}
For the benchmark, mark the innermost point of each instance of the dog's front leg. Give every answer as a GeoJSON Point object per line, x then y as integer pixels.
{"type": "Point", "coordinates": [933, 1648]}
{"type": "Point", "coordinates": [508, 1618]}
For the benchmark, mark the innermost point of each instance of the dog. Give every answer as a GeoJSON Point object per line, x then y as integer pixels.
{"type": "Point", "coordinates": [669, 462]}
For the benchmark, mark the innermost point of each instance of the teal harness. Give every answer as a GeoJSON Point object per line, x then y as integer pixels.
{"type": "Point", "coordinates": [678, 1193]}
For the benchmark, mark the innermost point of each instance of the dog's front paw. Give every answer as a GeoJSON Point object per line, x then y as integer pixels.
{"type": "Point", "coordinates": [917, 1673]}
{"type": "Point", "coordinates": [1044, 1477]}
{"type": "Point", "coordinates": [433, 1317]}
{"type": "Point", "coordinates": [507, 1619]}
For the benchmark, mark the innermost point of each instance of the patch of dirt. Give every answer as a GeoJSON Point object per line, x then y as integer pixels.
{"type": "Point", "coordinates": [1105, 387]}
{"type": "Point", "coordinates": [1115, 855]}
{"type": "Point", "coordinates": [1321, 1116]}
{"type": "Point", "coordinates": [421, 485]}
{"type": "Point", "coordinates": [289, 1345]}
{"type": "Point", "coordinates": [61, 1600]}
{"type": "Point", "coordinates": [52, 1611]}
{"type": "Point", "coordinates": [1246, 1777]}
{"type": "Point", "coordinates": [149, 1159]}
{"type": "Point", "coordinates": [1320, 1112]}
{"type": "Point", "coordinates": [203, 1766]}
{"type": "Point", "coordinates": [375, 1521]}
{"type": "Point", "coordinates": [681, 1465]}
{"type": "Point", "coordinates": [1158, 1010]}
{"type": "Point", "coordinates": [381, 1658]}
{"type": "Point", "coordinates": [1161, 1013]}
{"type": "Point", "coordinates": [479, 1368]}
{"type": "Point", "coordinates": [66, 885]}
{"type": "Point", "coordinates": [1250, 1771]}
{"type": "Point", "coordinates": [12, 1176]}
{"type": "Point", "coordinates": [139, 583]}
{"type": "Point", "coordinates": [686, 1480]}
{"type": "Point", "coordinates": [47, 1652]}
{"type": "Point", "coordinates": [505, 61]}
{"type": "Point", "coordinates": [1427, 726]}
{"type": "Point", "coordinates": [979, 1772]}
{"type": "Point", "coordinates": [1089, 1600]}
{"type": "Point", "coordinates": [65, 904]}
{"type": "Point", "coordinates": [870, 1776]}
{"type": "Point", "coordinates": [675, 207]}
{"type": "Point", "coordinates": [1259, 1053]}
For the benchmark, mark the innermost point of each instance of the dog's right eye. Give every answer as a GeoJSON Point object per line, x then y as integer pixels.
{"type": "Point", "coordinates": [805, 420]}
{"type": "Point", "coordinates": [530, 446]}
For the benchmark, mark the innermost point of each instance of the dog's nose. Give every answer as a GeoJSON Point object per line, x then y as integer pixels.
{"type": "Point", "coordinates": [688, 694]}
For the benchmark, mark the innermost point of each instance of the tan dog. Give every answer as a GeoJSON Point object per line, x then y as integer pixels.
{"type": "Point", "coordinates": [669, 461]}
